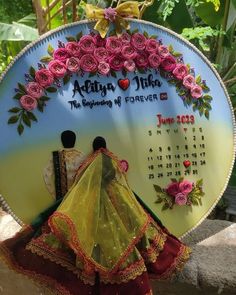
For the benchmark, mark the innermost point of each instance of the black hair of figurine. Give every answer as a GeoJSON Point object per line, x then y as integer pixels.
{"type": "Point", "coordinates": [99, 142]}
{"type": "Point", "coordinates": [68, 139]}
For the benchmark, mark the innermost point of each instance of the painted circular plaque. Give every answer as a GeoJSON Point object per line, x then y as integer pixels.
{"type": "Point", "coordinates": [157, 101]}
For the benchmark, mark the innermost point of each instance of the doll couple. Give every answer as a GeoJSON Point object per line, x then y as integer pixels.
{"type": "Point", "coordinates": [97, 238]}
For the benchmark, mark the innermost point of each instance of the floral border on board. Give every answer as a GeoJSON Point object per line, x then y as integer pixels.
{"type": "Point", "coordinates": [180, 192]}
{"type": "Point", "coordinates": [131, 52]}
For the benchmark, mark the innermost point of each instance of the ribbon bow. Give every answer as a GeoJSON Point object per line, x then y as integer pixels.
{"type": "Point", "coordinates": [116, 15]}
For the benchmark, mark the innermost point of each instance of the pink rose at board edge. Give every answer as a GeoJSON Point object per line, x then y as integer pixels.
{"type": "Point", "coordinates": [154, 60]}
{"type": "Point", "coordinates": [124, 165]}
{"type": "Point", "coordinates": [34, 89]}
{"type": "Point", "coordinates": [181, 199]}
{"type": "Point", "coordinates": [110, 14]}
{"type": "Point", "coordinates": [189, 81]}
{"type": "Point", "coordinates": [113, 45]}
{"type": "Point", "coordinates": [185, 187]}
{"type": "Point", "coordinates": [61, 54]}
{"type": "Point", "coordinates": [28, 102]}
{"type": "Point", "coordinates": [138, 41]}
{"type": "Point", "coordinates": [163, 51]}
{"type": "Point", "coordinates": [180, 71]}
{"type": "Point", "coordinates": [87, 44]}
{"type": "Point", "coordinates": [129, 65]}
{"type": "Point", "coordinates": [128, 52]}
{"type": "Point", "coordinates": [116, 63]}
{"type": "Point", "coordinates": [99, 41]}
{"type": "Point", "coordinates": [168, 63]}
{"type": "Point", "coordinates": [101, 54]}
{"type": "Point", "coordinates": [125, 38]}
{"type": "Point", "coordinates": [141, 60]}
{"type": "Point", "coordinates": [152, 46]}
{"type": "Point", "coordinates": [103, 68]}
{"type": "Point", "coordinates": [73, 49]}
{"type": "Point", "coordinates": [173, 189]}
{"type": "Point", "coordinates": [44, 77]}
{"type": "Point", "coordinates": [88, 63]}
{"type": "Point", "coordinates": [196, 91]}
{"type": "Point", "coordinates": [57, 68]}
{"type": "Point", "coordinates": [73, 64]}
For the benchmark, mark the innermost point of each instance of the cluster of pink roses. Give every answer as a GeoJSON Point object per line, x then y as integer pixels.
{"type": "Point", "coordinates": [180, 191]}
{"type": "Point", "coordinates": [96, 55]}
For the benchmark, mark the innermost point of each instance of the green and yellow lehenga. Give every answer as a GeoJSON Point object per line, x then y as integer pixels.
{"type": "Point", "coordinates": [99, 240]}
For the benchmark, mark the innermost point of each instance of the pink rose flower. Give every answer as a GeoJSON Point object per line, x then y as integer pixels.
{"type": "Point", "coordinates": [189, 81]}
{"type": "Point", "coordinates": [129, 65]}
{"type": "Point", "coordinates": [168, 63]}
{"type": "Point", "coordinates": [88, 63]}
{"type": "Point", "coordinates": [163, 51]}
{"type": "Point", "coordinates": [138, 41]}
{"type": "Point", "coordinates": [87, 44]}
{"type": "Point", "coordinates": [124, 165]}
{"type": "Point", "coordinates": [34, 89]}
{"type": "Point", "coordinates": [141, 60]}
{"type": "Point", "coordinates": [181, 199]}
{"type": "Point", "coordinates": [28, 102]}
{"type": "Point", "coordinates": [73, 64]}
{"type": "Point", "coordinates": [101, 54]}
{"type": "Point", "coordinates": [173, 189]}
{"type": "Point", "coordinates": [180, 71]}
{"type": "Point", "coordinates": [196, 91]}
{"type": "Point", "coordinates": [152, 46]}
{"type": "Point", "coordinates": [44, 77]}
{"type": "Point", "coordinates": [61, 54]}
{"type": "Point", "coordinates": [116, 63]}
{"type": "Point", "coordinates": [125, 38]}
{"type": "Point", "coordinates": [154, 60]}
{"type": "Point", "coordinates": [99, 41]}
{"type": "Point", "coordinates": [103, 68]}
{"type": "Point", "coordinates": [57, 68]}
{"type": "Point", "coordinates": [185, 187]}
{"type": "Point", "coordinates": [73, 49]}
{"type": "Point", "coordinates": [113, 45]}
{"type": "Point", "coordinates": [128, 52]}
{"type": "Point", "coordinates": [110, 14]}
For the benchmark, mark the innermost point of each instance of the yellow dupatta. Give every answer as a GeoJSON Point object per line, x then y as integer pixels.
{"type": "Point", "coordinates": [99, 217]}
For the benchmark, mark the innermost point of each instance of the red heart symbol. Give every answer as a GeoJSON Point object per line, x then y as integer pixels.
{"type": "Point", "coordinates": [124, 83]}
{"type": "Point", "coordinates": [186, 163]}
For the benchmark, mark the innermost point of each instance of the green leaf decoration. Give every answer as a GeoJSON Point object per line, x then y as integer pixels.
{"type": "Point", "coordinates": [66, 79]}
{"type": "Point", "coordinates": [124, 72]}
{"type": "Point", "coordinates": [46, 59]}
{"type": "Point", "coordinates": [206, 113]}
{"type": "Point", "coordinates": [32, 72]}
{"type": "Point", "coordinates": [199, 182]}
{"type": "Point", "coordinates": [153, 37]}
{"type": "Point", "coordinates": [207, 97]}
{"type": "Point", "coordinates": [40, 106]}
{"type": "Point", "coordinates": [71, 39]}
{"type": "Point", "coordinates": [145, 34]}
{"type": "Point", "coordinates": [158, 201]}
{"type": "Point", "coordinates": [44, 98]}
{"type": "Point", "coordinates": [170, 47]}
{"type": "Point", "coordinates": [18, 95]}
{"type": "Point", "coordinates": [13, 119]}
{"type": "Point", "coordinates": [165, 207]}
{"type": "Point", "coordinates": [22, 88]}
{"type": "Point", "coordinates": [177, 54]}
{"type": "Point", "coordinates": [78, 36]}
{"type": "Point", "coordinates": [20, 128]}
{"type": "Point", "coordinates": [198, 79]}
{"type": "Point", "coordinates": [51, 89]}
{"type": "Point", "coordinates": [141, 71]}
{"type": "Point", "coordinates": [32, 117]}
{"type": "Point", "coordinates": [113, 73]}
{"type": "Point", "coordinates": [174, 180]}
{"type": "Point", "coordinates": [205, 87]}
{"type": "Point", "coordinates": [135, 31]}
{"type": "Point", "coordinates": [50, 49]}
{"type": "Point", "coordinates": [92, 74]}
{"type": "Point", "coordinates": [207, 105]}
{"type": "Point", "coordinates": [14, 110]}
{"type": "Point", "coordinates": [26, 120]}
{"type": "Point", "coordinates": [157, 188]}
